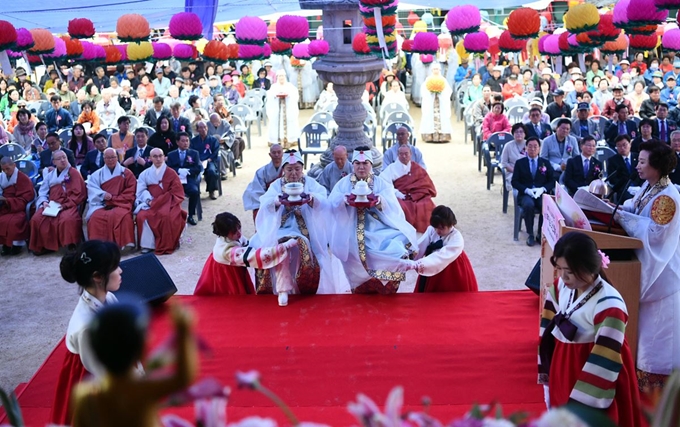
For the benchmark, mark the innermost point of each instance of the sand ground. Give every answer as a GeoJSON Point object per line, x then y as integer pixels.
{"type": "Point", "coordinates": [36, 303]}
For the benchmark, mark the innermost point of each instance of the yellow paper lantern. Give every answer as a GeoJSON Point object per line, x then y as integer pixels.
{"type": "Point", "coordinates": [582, 17]}
{"type": "Point", "coordinates": [418, 27]}
{"type": "Point", "coordinates": [138, 52]}
{"type": "Point", "coordinates": [435, 84]}
{"type": "Point", "coordinates": [573, 3]}
{"type": "Point", "coordinates": [460, 50]}
{"type": "Point", "coordinates": [200, 44]}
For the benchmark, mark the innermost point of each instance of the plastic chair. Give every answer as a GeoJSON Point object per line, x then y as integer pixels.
{"type": "Point", "coordinates": [553, 124]}
{"type": "Point", "coordinates": [149, 129]}
{"type": "Point", "coordinates": [12, 150]}
{"type": "Point", "coordinates": [28, 166]}
{"type": "Point", "coordinates": [65, 136]}
{"type": "Point", "coordinates": [495, 142]}
{"type": "Point", "coordinates": [246, 114]}
{"type": "Point", "coordinates": [371, 125]}
{"type": "Point", "coordinates": [389, 135]}
{"type": "Point", "coordinates": [108, 131]}
{"type": "Point", "coordinates": [515, 102]}
{"type": "Point", "coordinates": [392, 107]}
{"type": "Point", "coordinates": [397, 117]}
{"type": "Point", "coordinates": [228, 139]}
{"type": "Point", "coordinates": [313, 134]}
{"type": "Point", "coordinates": [326, 119]}
{"type": "Point", "coordinates": [134, 123]}
{"type": "Point", "coordinates": [504, 190]}
{"type": "Point", "coordinates": [256, 104]}
{"type": "Point", "coordinates": [603, 154]}
{"type": "Point", "coordinates": [516, 114]}
{"type": "Point", "coordinates": [240, 129]}
{"type": "Point", "coordinates": [459, 97]}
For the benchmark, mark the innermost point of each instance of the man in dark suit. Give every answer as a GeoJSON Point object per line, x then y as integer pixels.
{"type": "Point", "coordinates": [582, 170]}
{"type": "Point", "coordinates": [620, 125]}
{"type": "Point", "coordinates": [558, 108]}
{"type": "Point", "coordinates": [178, 123]}
{"type": "Point", "coordinates": [94, 159]}
{"type": "Point", "coordinates": [54, 144]}
{"type": "Point", "coordinates": [675, 145]}
{"type": "Point", "coordinates": [622, 167]}
{"type": "Point", "coordinates": [581, 126]}
{"type": "Point", "coordinates": [663, 127]}
{"type": "Point", "coordinates": [138, 158]}
{"type": "Point", "coordinates": [208, 148]}
{"type": "Point", "coordinates": [532, 177]}
{"type": "Point", "coordinates": [158, 110]}
{"type": "Point", "coordinates": [536, 127]}
{"type": "Point", "coordinates": [186, 162]}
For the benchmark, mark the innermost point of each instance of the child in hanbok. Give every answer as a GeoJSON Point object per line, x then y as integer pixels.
{"type": "Point", "coordinates": [95, 267]}
{"type": "Point", "coordinates": [583, 353]}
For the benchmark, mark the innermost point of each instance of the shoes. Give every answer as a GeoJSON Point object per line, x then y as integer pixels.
{"type": "Point", "coordinates": [146, 251]}
{"type": "Point", "coordinates": [283, 299]}
{"type": "Point", "coordinates": [5, 250]}
{"type": "Point", "coordinates": [237, 164]}
{"type": "Point", "coordinates": [223, 177]}
{"type": "Point", "coordinates": [16, 250]}
{"type": "Point", "coordinates": [191, 220]}
{"type": "Point", "coordinates": [531, 241]}
{"type": "Point", "coordinates": [42, 252]}
{"type": "Point", "coordinates": [213, 196]}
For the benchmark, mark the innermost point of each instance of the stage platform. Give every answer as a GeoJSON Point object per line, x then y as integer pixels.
{"type": "Point", "coordinates": [319, 352]}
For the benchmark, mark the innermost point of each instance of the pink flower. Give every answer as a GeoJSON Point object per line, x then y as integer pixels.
{"type": "Point", "coordinates": [542, 169]}
{"type": "Point", "coordinates": [569, 149]}
{"type": "Point", "coordinates": [190, 160]}
{"type": "Point", "coordinates": [182, 128]}
{"type": "Point", "coordinates": [248, 379]}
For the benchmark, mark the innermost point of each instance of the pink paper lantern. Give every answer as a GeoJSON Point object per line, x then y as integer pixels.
{"type": "Point", "coordinates": [8, 35]}
{"type": "Point", "coordinates": [161, 51]}
{"type": "Point", "coordinates": [99, 53]}
{"type": "Point", "coordinates": [14, 55]}
{"type": "Point", "coordinates": [123, 52]}
{"type": "Point", "coordinates": [267, 49]}
{"type": "Point", "coordinates": [551, 45]}
{"type": "Point", "coordinates": [24, 40]}
{"type": "Point", "coordinates": [426, 58]}
{"type": "Point", "coordinates": [621, 14]}
{"type": "Point", "coordinates": [476, 42]}
{"type": "Point", "coordinates": [541, 44]}
{"type": "Point", "coordinates": [251, 30]}
{"type": "Point", "coordinates": [292, 29]}
{"type": "Point", "coordinates": [89, 52]}
{"type": "Point", "coordinates": [667, 4]}
{"type": "Point", "coordinates": [425, 43]}
{"type": "Point", "coordinates": [59, 50]}
{"type": "Point", "coordinates": [250, 51]}
{"type": "Point", "coordinates": [186, 26]}
{"type": "Point", "coordinates": [671, 40]}
{"type": "Point", "coordinates": [644, 12]}
{"type": "Point", "coordinates": [573, 42]}
{"type": "Point", "coordinates": [183, 51]}
{"type": "Point", "coordinates": [463, 19]}
{"type": "Point", "coordinates": [318, 48]}
{"type": "Point", "coordinates": [301, 51]}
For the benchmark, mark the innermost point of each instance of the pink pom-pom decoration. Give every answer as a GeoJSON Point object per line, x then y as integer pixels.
{"type": "Point", "coordinates": [644, 12]}
{"type": "Point", "coordinates": [671, 40]}
{"type": "Point", "coordinates": [463, 19]}
{"type": "Point", "coordinates": [541, 44]}
{"type": "Point", "coordinates": [292, 29]}
{"type": "Point", "coordinates": [551, 45]}
{"type": "Point", "coordinates": [133, 28]}
{"type": "Point", "coordinates": [161, 51]}
{"type": "Point", "coordinates": [250, 51]}
{"type": "Point", "coordinates": [89, 52]}
{"type": "Point", "coordinates": [122, 48]}
{"type": "Point", "coordinates": [621, 14]}
{"type": "Point", "coordinates": [99, 53]}
{"type": "Point", "coordinates": [426, 43]}
{"type": "Point", "coordinates": [80, 28]}
{"type": "Point", "coordinates": [8, 35]}
{"type": "Point", "coordinates": [185, 26]}
{"type": "Point", "coordinates": [59, 52]}
{"type": "Point", "coordinates": [24, 40]}
{"type": "Point", "coordinates": [318, 48]}
{"type": "Point", "coordinates": [426, 58]}
{"type": "Point", "coordinates": [301, 51]}
{"type": "Point", "coordinates": [266, 51]}
{"type": "Point", "coordinates": [183, 51]}
{"type": "Point", "coordinates": [476, 42]}
{"type": "Point", "coordinates": [667, 4]}
{"type": "Point", "coordinates": [251, 30]}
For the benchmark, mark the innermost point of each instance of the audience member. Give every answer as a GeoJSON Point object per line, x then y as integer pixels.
{"type": "Point", "coordinates": [536, 126]}
{"type": "Point", "coordinates": [621, 168]}
{"type": "Point", "coordinates": [186, 162]}
{"type": "Point", "coordinates": [208, 149]}
{"type": "Point", "coordinates": [94, 159]}
{"type": "Point", "coordinates": [648, 106]}
{"type": "Point", "coordinates": [16, 191]}
{"type": "Point", "coordinates": [611, 109]}
{"type": "Point", "coordinates": [108, 110]}
{"type": "Point", "coordinates": [24, 132]}
{"type": "Point", "coordinates": [80, 144]}
{"type": "Point", "coordinates": [164, 137]}
{"type": "Point", "coordinates": [337, 169]}
{"type": "Point", "coordinates": [57, 118]}
{"type": "Point", "coordinates": [496, 120]}
{"type": "Point", "coordinates": [582, 170]}
{"type": "Point", "coordinates": [89, 116]}
{"type": "Point", "coordinates": [403, 139]}
{"type": "Point", "coordinates": [558, 108]}
{"type": "Point", "coordinates": [663, 127]}
{"type": "Point", "coordinates": [513, 151]}
{"type": "Point", "coordinates": [46, 156]}
{"type": "Point", "coordinates": [152, 115]}
{"type": "Point", "coordinates": [620, 125]}
{"type": "Point", "coordinates": [138, 158]}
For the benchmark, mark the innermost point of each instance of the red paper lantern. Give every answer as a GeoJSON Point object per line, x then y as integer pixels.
{"type": "Point", "coordinates": [232, 51]}
{"type": "Point", "coordinates": [360, 46]}
{"type": "Point", "coordinates": [565, 47]}
{"type": "Point", "coordinates": [507, 43]}
{"type": "Point", "coordinates": [615, 47]}
{"type": "Point", "coordinates": [412, 18]}
{"type": "Point", "coordinates": [646, 30]}
{"type": "Point", "coordinates": [215, 51]}
{"type": "Point", "coordinates": [74, 48]}
{"type": "Point", "coordinates": [606, 31]}
{"type": "Point", "coordinates": [113, 55]}
{"type": "Point", "coordinates": [80, 28]}
{"type": "Point", "coordinates": [44, 42]}
{"type": "Point", "coordinates": [8, 35]}
{"type": "Point", "coordinates": [281, 48]}
{"type": "Point", "coordinates": [407, 45]}
{"type": "Point", "coordinates": [644, 42]}
{"type": "Point", "coordinates": [524, 23]}
{"type": "Point", "coordinates": [587, 42]}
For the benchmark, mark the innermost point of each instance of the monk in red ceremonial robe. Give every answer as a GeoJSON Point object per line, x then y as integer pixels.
{"type": "Point", "coordinates": [413, 187]}
{"type": "Point", "coordinates": [160, 217]}
{"type": "Point", "coordinates": [16, 191]}
{"type": "Point", "coordinates": [111, 196]}
{"type": "Point", "coordinates": [58, 221]}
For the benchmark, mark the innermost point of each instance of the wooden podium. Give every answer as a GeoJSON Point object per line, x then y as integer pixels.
{"type": "Point", "coordinates": [623, 271]}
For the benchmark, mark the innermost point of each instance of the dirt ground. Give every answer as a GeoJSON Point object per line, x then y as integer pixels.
{"type": "Point", "coordinates": [37, 304]}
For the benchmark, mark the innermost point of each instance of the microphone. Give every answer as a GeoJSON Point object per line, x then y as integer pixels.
{"type": "Point", "coordinates": [625, 188]}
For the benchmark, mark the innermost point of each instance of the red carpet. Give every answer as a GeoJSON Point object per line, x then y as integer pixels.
{"type": "Point", "coordinates": [320, 351]}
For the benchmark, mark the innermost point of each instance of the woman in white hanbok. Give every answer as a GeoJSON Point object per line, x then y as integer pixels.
{"type": "Point", "coordinates": [419, 72]}
{"type": "Point", "coordinates": [282, 112]}
{"type": "Point", "coordinates": [304, 78]}
{"type": "Point", "coordinates": [435, 124]}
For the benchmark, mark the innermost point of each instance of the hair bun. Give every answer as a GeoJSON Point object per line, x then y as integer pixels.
{"type": "Point", "coordinates": [67, 267]}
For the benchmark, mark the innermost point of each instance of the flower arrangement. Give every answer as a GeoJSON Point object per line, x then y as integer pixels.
{"type": "Point", "coordinates": [463, 19]}
{"type": "Point", "coordinates": [185, 26]}
{"type": "Point", "coordinates": [251, 30]}
{"type": "Point", "coordinates": [296, 63]}
{"type": "Point", "coordinates": [644, 42]}
{"type": "Point", "coordinates": [122, 48]}
{"type": "Point", "coordinates": [266, 51]}
{"type": "Point", "coordinates": [542, 169]}
{"type": "Point", "coordinates": [113, 55]}
{"type": "Point", "coordinates": [380, 15]}
{"type": "Point", "coordinates": [407, 45]}
{"type": "Point", "coordinates": [8, 35]}
{"type": "Point", "coordinates": [24, 40]}
{"type": "Point", "coordinates": [524, 23]}
{"type": "Point", "coordinates": [80, 28]}
{"type": "Point", "coordinates": [615, 47]}
{"type": "Point", "coordinates": [44, 41]}
{"type": "Point", "coordinates": [621, 14]}
{"type": "Point", "coordinates": [133, 28]}
{"type": "Point", "coordinates": [426, 58]}
{"type": "Point", "coordinates": [89, 52]}
{"type": "Point", "coordinates": [667, 4]}
{"type": "Point", "coordinates": [435, 84]}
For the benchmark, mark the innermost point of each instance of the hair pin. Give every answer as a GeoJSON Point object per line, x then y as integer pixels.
{"type": "Point", "coordinates": [84, 258]}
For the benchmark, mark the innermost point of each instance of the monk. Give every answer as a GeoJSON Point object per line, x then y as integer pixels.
{"type": "Point", "coordinates": [336, 170]}
{"type": "Point", "coordinates": [16, 191]}
{"type": "Point", "coordinates": [413, 187]}
{"type": "Point", "coordinates": [63, 187]}
{"type": "Point", "coordinates": [160, 217]}
{"type": "Point", "coordinates": [263, 178]}
{"type": "Point", "coordinates": [111, 195]}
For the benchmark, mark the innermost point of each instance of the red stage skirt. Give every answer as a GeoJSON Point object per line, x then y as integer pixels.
{"type": "Point", "coordinates": [456, 277]}
{"type": "Point", "coordinates": [566, 366]}
{"type": "Point", "coordinates": [72, 372]}
{"type": "Point", "coordinates": [221, 279]}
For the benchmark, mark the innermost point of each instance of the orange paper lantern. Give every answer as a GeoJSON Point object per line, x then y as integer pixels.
{"type": "Point", "coordinates": [44, 41]}
{"type": "Point", "coordinates": [113, 55]}
{"type": "Point", "coordinates": [524, 23]}
{"type": "Point", "coordinates": [74, 48]}
{"type": "Point", "coordinates": [215, 51]}
{"type": "Point", "coordinates": [133, 28]}
{"type": "Point", "coordinates": [617, 46]}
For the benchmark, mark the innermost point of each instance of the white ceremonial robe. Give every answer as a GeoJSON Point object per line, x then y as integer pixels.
{"type": "Point", "coordinates": [438, 260]}
{"type": "Point", "coordinates": [452, 67]}
{"type": "Point", "coordinates": [427, 112]}
{"type": "Point", "coordinates": [291, 112]}
{"type": "Point", "coordinates": [391, 155]}
{"type": "Point", "coordinates": [95, 194]}
{"type": "Point", "coordinates": [331, 174]}
{"type": "Point", "coordinates": [51, 179]}
{"type": "Point", "coordinates": [310, 88]}
{"type": "Point", "coordinates": [659, 319]}
{"type": "Point", "coordinates": [258, 186]}
{"type": "Point", "coordinates": [387, 238]}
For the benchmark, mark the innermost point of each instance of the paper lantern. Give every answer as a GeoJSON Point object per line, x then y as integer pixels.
{"type": "Point", "coordinates": [582, 17]}
{"type": "Point", "coordinates": [292, 29]}
{"type": "Point", "coordinates": [493, 46]}
{"type": "Point", "coordinates": [24, 40]}
{"type": "Point", "coordinates": [271, 29]}
{"type": "Point", "coordinates": [552, 45]}
{"type": "Point", "coordinates": [616, 47]}
{"type": "Point", "coordinates": [44, 41]}
{"type": "Point", "coordinates": [140, 52]}
{"type": "Point", "coordinates": [606, 31]}
{"type": "Point", "coordinates": [435, 84]}
{"type": "Point", "coordinates": [185, 26]}
{"type": "Point", "coordinates": [59, 51]}
{"type": "Point", "coordinates": [34, 60]}
{"type": "Point", "coordinates": [476, 42]}
{"type": "Point", "coordinates": [646, 30]}
{"type": "Point", "coordinates": [524, 23]}
{"type": "Point", "coordinates": [301, 51]}
{"type": "Point", "coordinates": [407, 45]}
{"type": "Point", "coordinates": [386, 21]}
{"type": "Point", "coordinates": [122, 48]}
{"type": "Point", "coordinates": [133, 28]}
{"type": "Point", "coordinates": [250, 51]}
{"type": "Point", "coordinates": [426, 58]}
{"type": "Point", "coordinates": [359, 45]}
{"type": "Point", "coordinates": [89, 53]}
{"type": "Point", "coordinates": [644, 42]}
{"type": "Point", "coordinates": [14, 55]}
{"type": "Point", "coordinates": [671, 40]}
{"type": "Point", "coordinates": [586, 42]}
{"type": "Point", "coordinates": [8, 35]}
{"type": "Point", "coordinates": [183, 51]}
{"type": "Point", "coordinates": [281, 48]}
{"type": "Point", "coordinates": [113, 56]}
{"type": "Point", "coordinates": [445, 41]}
{"type": "Point", "coordinates": [266, 51]}
{"type": "Point", "coordinates": [667, 4]}
{"type": "Point", "coordinates": [232, 51]}
{"type": "Point", "coordinates": [427, 18]}
{"type": "Point", "coordinates": [418, 27]}
{"type": "Point", "coordinates": [251, 30]}
{"type": "Point", "coordinates": [412, 18]}
{"type": "Point", "coordinates": [463, 19]}
{"type": "Point", "coordinates": [425, 43]}
{"type": "Point", "coordinates": [215, 51]}
{"type": "Point", "coordinates": [161, 51]}
{"type": "Point", "coordinates": [644, 12]}
{"type": "Point", "coordinates": [99, 53]}
{"type": "Point", "coordinates": [506, 43]}
{"type": "Point", "coordinates": [541, 44]}
{"type": "Point", "coordinates": [318, 48]}
{"type": "Point", "coordinates": [80, 28]}
{"type": "Point", "coordinates": [621, 14]}
{"type": "Point", "coordinates": [74, 48]}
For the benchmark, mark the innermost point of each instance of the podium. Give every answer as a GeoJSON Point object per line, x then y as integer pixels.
{"type": "Point", "coordinates": [623, 271]}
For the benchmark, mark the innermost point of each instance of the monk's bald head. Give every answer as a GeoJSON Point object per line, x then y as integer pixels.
{"type": "Point", "coordinates": [157, 157]}
{"type": "Point", "coordinates": [340, 156]}
{"type": "Point", "coordinates": [6, 161]}
{"type": "Point", "coordinates": [7, 166]}
{"type": "Point", "coordinates": [110, 158]}
{"type": "Point", "coordinates": [276, 154]}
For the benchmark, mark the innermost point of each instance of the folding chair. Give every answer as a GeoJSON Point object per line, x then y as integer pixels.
{"type": "Point", "coordinates": [313, 135]}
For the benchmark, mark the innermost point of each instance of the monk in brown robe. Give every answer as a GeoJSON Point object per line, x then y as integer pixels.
{"type": "Point", "coordinates": [413, 187]}
{"type": "Point", "coordinates": [160, 217]}
{"type": "Point", "coordinates": [111, 195]}
{"type": "Point", "coordinates": [64, 189]}
{"type": "Point", "coordinates": [16, 191]}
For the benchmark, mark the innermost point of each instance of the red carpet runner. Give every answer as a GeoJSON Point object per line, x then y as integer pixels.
{"type": "Point", "coordinates": [320, 351]}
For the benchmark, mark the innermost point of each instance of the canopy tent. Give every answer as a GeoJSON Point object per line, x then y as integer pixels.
{"type": "Point", "coordinates": [54, 15]}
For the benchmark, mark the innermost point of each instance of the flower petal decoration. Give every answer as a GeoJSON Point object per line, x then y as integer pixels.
{"type": "Point", "coordinates": [644, 12]}
{"type": "Point", "coordinates": [507, 43]}
{"type": "Point", "coordinates": [140, 52]}
{"type": "Point", "coordinates": [133, 28]}
{"type": "Point", "coordinates": [292, 29]}
{"type": "Point", "coordinates": [74, 48]}
{"type": "Point", "coordinates": [426, 43]}
{"type": "Point", "coordinates": [183, 51]}
{"type": "Point", "coordinates": [24, 40]}
{"type": "Point", "coordinates": [185, 26]}
{"type": "Point", "coordinates": [671, 40]}
{"type": "Point", "coordinates": [232, 51]}
{"type": "Point", "coordinates": [161, 51]}
{"type": "Point", "coordinates": [281, 48]}
{"type": "Point", "coordinates": [318, 48]}
{"type": "Point", "coordinates": [301, 51]}
{"type": "Point", "coordinates": [462, 20]}
{"type": "Point", "coordinates": [476, 42]}
{"type": "Point", "coordinates": [615, 47]}
{"type": "Point", "coordinates": [524, 23]}
{"type": "Point", "coordinates": [89, 52]}
{"type": "Point", "coordinates": [215, 51]}
{"type": "Point", "coordinates": [100, 53]}
{"type": "Point", "coordinates": [44, 41]}
{"type": "Point", "coordinates": [582, 17]}
{"type": "Point", "coordinates": [251, 30]}
{"type": "Point", "coordinates": [606, 31]}
{"type": "Point", "coordinates": [644, 42]}
{"type": "Point", "coordinates": [80, 28]}
{"type": "Point", "coordinates": [426, 58]}
{"type": "Point", "coordinates": [360, 46]}
{"type": "Point", "coordinates": [59, 51]}
{"type": "Point", "coordinates": [8, 35]}
{"type": "Point", "coordinates": [113, 55]}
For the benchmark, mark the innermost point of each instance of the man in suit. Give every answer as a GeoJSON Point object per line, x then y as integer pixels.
{"type": "Point", "coordinates": [158, 110]}
{"type": "Point", "coordinates": [558, 108]}
{"type": "Point", "coordinates": [580, 126]}
{"type": "Point", "coordinates": [138, 158]}
{"type": "Point", "coordinates": [536, 127]}
{"type": "Point", "coordinates": [54, 144]}
{"type": "Point", "coordinates": [94, 159]}
{"type": "Point", "coordinates": [533, 176]}
{"type": "Point", "coordinates": [582, 170]}
{"type": "Point", "coordinates": [208, 148]}
{"type": "Point", "coordinates": [57, 118]}
{"type": "Point", "coordinates": [663, 127]}
{"type": "Point", "coordinates": [186, 162]}
{"type": "Point", "coordinates": [675, 145]}
{"type": "Point", "coordinates": [178, 123]}
{"type": "Point", "coordinates": [560, 146]}
{"type": "Point", "coordinates": [620, 125]}
{"type": "Point", "coordinates": [623, 167]}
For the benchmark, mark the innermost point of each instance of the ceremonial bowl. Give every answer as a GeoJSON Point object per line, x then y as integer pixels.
{"type": "Point", "coordinates": [293, 189]}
